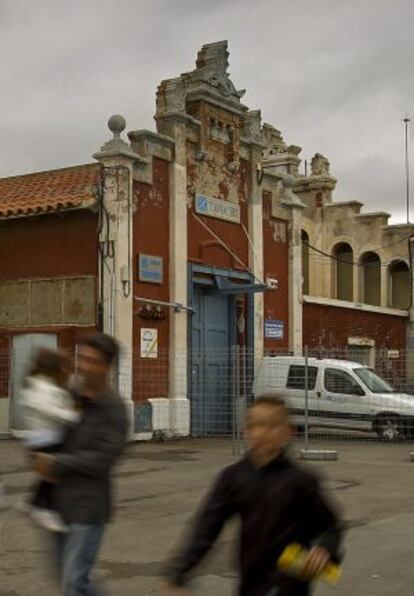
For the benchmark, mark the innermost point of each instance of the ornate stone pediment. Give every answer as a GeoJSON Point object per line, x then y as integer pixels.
{"type": "Point", "coordinates": [210, 79]}
{"type": "Point", "coordinates": [273, 140]}
{"type": "Point", "coordinates": [277, 154]}
{"type": "Point", "coordinates": [320, 165]}
{"type": "Point", "coordinates": [211, 68]}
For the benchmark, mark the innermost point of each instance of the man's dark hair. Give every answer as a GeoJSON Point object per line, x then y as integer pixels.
{"type": "Point", "coordinates": [269, 399]}
{"type": "Point", "coordinates": [106, 345]}
{"type": "Point", "coordinates": [274, 400]}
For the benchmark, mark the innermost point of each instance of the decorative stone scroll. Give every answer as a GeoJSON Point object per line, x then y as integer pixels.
{"type": "Point", "coordinates": [210, 77]}
{"type": "Point", "coordinates": [319, 165]}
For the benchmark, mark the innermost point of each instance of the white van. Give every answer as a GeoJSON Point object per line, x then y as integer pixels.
{"type": "Point", "coordinates": [341, 395]}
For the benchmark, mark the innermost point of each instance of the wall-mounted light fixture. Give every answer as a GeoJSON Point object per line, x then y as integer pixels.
{"type": "Point", "coordinates": [150, 312]}
{"type": "Point", "coordinates": [272, 283]}
{"type": "Point", "coordinates": [150, 302]}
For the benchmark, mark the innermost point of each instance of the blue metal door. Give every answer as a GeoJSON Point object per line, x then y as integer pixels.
{"type": "Point", "coordinates": [210, 383]}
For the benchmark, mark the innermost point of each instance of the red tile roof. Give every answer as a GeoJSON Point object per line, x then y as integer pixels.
{"type": "Point", "coordinates": [54, 190]}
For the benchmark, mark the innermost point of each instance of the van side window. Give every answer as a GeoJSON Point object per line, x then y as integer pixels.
{"type": "Point", "coordinates": [296, 377]}
{"type": "Point", "coordinates": [339, 381]}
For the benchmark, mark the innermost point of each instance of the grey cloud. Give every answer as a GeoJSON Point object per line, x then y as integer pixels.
{"type": "Point", "coordinates": [333, 75]}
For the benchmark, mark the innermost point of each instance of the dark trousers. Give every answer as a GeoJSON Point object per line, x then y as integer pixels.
{"type": "Point", "coordinates": [42, 493]}
{"type": "Point", "coordinates": [77, 551]}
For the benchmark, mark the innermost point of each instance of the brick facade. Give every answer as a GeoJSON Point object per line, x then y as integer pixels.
{"type": "Point", "coordinates": [152, 237]}
{"type": "Point", "coordinates": [330, 327]}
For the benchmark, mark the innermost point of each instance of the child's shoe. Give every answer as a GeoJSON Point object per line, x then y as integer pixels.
{"type": "Point", "coordinates": [47, 519]}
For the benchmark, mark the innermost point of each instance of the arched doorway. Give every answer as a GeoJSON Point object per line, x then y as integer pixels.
{"type": "Point", "coordinates": [399, 285]}
{"type": "Point", "coordinates": [343, 272]}
{"type": "Point", "coordinates": [305, 262]}
{"type": "Point", "coordinates": [370, 289]}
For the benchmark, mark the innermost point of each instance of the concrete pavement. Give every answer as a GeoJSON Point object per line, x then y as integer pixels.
{"type": "Point", "coordinates": [159, 486]}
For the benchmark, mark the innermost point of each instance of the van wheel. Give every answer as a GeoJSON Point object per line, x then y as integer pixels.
{"type": "Point", "coordinates": [299, 431]}
{"type": "Point", "coordinates": [388, 427]}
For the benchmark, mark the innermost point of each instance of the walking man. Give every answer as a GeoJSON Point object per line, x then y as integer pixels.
{"type": "Point", "coordinates": [278, 504]}
{"type": "Point", "coordinates": [82, 469]}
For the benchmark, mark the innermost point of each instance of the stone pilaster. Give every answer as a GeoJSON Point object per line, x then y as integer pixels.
{"type": "Point", "coordinates": [117, 159]}
{"type": "Point", "coordinates": [254, 140]}
{"type": "Point", "coordinates": [295, 206]}
{"type": "Point", "coordinates": [175, 126]}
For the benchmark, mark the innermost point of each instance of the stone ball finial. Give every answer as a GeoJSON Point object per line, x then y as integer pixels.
{"type": "Point", "coordinates": [116, 124]}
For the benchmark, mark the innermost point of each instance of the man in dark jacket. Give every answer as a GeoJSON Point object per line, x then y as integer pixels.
{"type": "Point", "coordinates": [277, 502]}
{"type": "Point", "coordinates": [82, 469]}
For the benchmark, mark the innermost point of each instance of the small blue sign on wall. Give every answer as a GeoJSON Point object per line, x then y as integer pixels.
{"type": "Point", "coordinates": [150, 269]}
{"type": "Point", "coordinates": [274, 329]}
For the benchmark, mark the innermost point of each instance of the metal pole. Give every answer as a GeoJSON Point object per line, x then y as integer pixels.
{"type": "Point", "coordinates": [237, 392]}
{"type": "Point", "coordinates": [244, 408]}
{"type": "Point", "coordinates": [407, 170]}
{"type": "Point", "coordinates": [233, 399]}
{"type": "Point", "coordinates": [306, 399]}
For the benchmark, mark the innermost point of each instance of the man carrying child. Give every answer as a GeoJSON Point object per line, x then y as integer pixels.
{"type": "Point", "coordinates": [81, 470]}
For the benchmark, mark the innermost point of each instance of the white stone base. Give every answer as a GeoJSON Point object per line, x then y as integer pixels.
{"type": "Point", "coordinates": [180, 417]}
{"type": "Point", "coordinates": [142, 436]}
{"type": "Point", "coordinates": [160, 414]}
{"type": "Point", "coordinates": [169, 418]}
{"type": "Point", "coordinates": [130, 410]}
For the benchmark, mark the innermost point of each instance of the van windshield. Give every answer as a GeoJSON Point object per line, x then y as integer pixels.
{"type": "Point", "coordinates": [373, 381]}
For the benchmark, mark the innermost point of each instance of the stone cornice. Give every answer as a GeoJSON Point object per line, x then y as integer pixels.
{"type": "Point", "coordinates": [393, 228]}
{"type": "Point", "coordinates": [113, 153]}
{"type": "Point", "coordinates": [293, 204]}
{"type": "Point", "coordinates": [355, 306]}
{"type": "Point", "coordinates": [373, 215]}
{"type": "Point", "coordinates": [340, 204]}
{"type": "Point", "coordinates": [246, 142]}
{"type": "Point", "coordinates": [304, 183]}
{"type": "Point", "coordinates": [216, 100]}
{"type": "Point", "coordinates": [152, 136]}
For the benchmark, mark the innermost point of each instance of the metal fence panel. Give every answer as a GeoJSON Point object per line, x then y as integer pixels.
{"type": "Point", "coordinates": [332, 394]}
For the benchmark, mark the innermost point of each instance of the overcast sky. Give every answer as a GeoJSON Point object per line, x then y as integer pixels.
{"type": "Point", "coordinates": [335, 76]}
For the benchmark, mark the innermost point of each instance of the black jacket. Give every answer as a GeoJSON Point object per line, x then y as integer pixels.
{"type": "Point", "coordinates": [277, 505]}
{"type": "Point", "coordinates": [83, 466]}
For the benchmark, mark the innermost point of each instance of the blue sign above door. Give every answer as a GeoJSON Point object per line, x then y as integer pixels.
{"type": "Point", "coordinates": [217, 208]}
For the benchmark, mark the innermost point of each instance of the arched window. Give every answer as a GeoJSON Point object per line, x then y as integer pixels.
{"type": "Point", "coordinates": [305, 262]}
{"type": "Point", "coordinates": [343, 272]}
{"type": "Point", "coordinates": [370, 265]}
{"type": "Point", "coordinates": [399, 285]}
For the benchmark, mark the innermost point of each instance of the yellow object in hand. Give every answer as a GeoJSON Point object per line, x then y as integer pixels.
{"type": "Point", "coordinates": [292, 562]}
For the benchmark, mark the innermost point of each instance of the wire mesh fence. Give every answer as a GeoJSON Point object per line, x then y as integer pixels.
{"type": "Point", "coordinates": [345, 394]}
{"type": "Point", "coordinates": [357, 393]}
